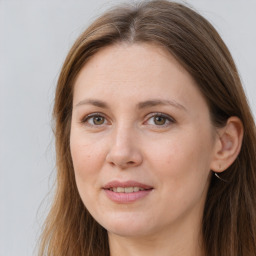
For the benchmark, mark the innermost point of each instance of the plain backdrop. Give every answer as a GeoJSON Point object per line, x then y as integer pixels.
{"type": "Point", "coordinates": [35, 37]}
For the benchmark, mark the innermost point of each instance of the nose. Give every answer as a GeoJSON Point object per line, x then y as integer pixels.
{"type": "Point", "coordinates": [124, 151]}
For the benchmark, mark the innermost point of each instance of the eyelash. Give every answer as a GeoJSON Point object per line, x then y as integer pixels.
{"type": "Point", "coordinates": [91, 116]}
{"type": "Point", "coordinates": [167, 119]}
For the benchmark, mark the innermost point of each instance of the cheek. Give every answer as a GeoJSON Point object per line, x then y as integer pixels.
{"type": "Point", "coordinates": [182, 163]}
{"type": "Point", "coordinates": [87, 159]}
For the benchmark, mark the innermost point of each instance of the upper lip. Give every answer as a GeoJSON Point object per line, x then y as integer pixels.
{"type": "Point", "coordinates": [126, 184]}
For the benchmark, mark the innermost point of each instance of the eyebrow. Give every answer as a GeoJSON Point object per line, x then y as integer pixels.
{"type": "Point", "coordinates": [97, 103]}
{"type": "Point", "coordinates": [156, 102]}
{"type": "Point", "coordinates": [141, 105]}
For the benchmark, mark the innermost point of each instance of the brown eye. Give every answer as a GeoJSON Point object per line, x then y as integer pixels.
{"type": "Point", "coordinates": [94, 120]}
{"type": "Point", "coordinates": [159, 120]}
{"type": "Point", "coordinates": [98, 120]}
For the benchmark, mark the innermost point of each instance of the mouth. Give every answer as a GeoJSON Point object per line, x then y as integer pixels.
{"type": "Point", "coordinates": [126, 192]}
{"type": "Point", "coordinates": [127, 189]}
{"type": "Point", "coordinates": [126, 186]}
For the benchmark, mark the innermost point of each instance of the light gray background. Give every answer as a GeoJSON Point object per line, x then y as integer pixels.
{"type": "Point", "coordinates": [34, 39]}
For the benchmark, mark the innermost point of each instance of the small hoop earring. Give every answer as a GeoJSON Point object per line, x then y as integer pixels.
{"type": "Point", "coordinates": [219, 176]}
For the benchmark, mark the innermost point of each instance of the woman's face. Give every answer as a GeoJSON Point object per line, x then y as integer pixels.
{"type": "Point", "coordinates": [141, 141]}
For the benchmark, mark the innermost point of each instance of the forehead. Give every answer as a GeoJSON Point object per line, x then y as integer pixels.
{"type": "Point", "coordinates": [123, 59]}
{"type": "Point", "coordinates": [132, 71]}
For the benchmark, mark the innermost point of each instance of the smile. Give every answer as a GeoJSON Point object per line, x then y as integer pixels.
{"type": "Point", "coordinates": [126, 189]}
{"type": "Point", "coordinates": [126, 192]}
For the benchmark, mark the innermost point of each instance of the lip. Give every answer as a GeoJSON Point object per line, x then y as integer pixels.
{"type": "Point", "coordinates": [125, 184]}
{"type": "Point", "coordinates": [124, 198]}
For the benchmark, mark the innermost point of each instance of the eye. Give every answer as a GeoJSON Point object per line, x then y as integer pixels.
{"type": "Point", "coordinates": [94, 120]}
{"type": "Point", "coordinates": [160, 119]}
{"type": "Point", "coordinates": [98, 120]}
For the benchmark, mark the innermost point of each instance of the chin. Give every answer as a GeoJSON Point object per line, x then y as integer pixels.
{"type": "Point", "coordinates": [127, 225]}
{"type": "Point", "coordinates": [127, 231]}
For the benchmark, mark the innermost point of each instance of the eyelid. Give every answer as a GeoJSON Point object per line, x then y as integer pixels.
{"type": "Point", "coordinates": [91, 115]}
{"type": "Point", "coordinates": [169, 118]}
{"type": "Point", "coordinates": [160, 114]}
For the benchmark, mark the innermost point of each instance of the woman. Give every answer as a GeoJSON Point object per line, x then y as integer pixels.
{"type": "Point", "coordinates": [155, 141]}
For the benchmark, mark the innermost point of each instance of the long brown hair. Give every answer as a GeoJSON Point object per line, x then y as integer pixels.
{"type": "Point", "coordinates": [229, 220]}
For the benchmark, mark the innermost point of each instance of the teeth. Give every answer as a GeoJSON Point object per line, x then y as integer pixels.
{"type": "Point", "coordinates": [126, 190]}
{"type": "Point", "coordinates": [119, 190]}
{"type": "Point", "coordinates": [136, 189]}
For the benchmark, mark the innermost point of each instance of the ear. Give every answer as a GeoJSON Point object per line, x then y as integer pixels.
{"type": "Point", "coordinates": [228, 143]}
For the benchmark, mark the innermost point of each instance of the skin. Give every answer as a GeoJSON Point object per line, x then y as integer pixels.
{"type": "Point", "coordinates": [174, 156]}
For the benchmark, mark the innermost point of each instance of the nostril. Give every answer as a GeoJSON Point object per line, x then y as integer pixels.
{"type": "Point", "coordinates": [112, 163]}
{"type": "Point", "coordinates": [124, 158]}
{"type": "Point", "coordinates": [123, 165]}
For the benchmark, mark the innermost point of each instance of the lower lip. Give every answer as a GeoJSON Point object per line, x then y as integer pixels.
{"type": "Point", "coordinates": [124, 198]}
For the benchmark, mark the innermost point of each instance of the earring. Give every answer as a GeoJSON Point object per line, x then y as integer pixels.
{"type": "Point", "coordinates": [219, 176]}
